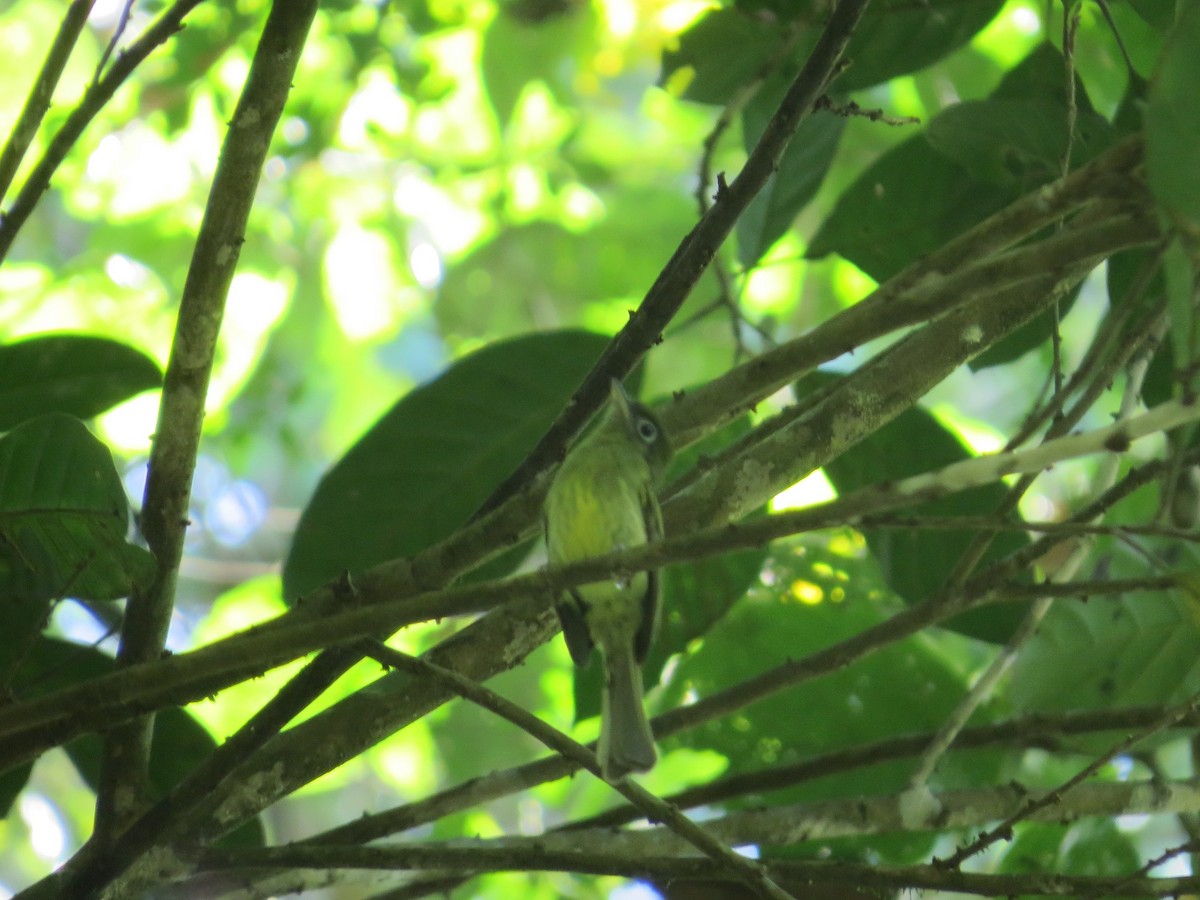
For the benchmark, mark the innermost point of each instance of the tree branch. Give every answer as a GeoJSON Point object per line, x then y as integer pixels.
{"type": "Point", "coordinates": [1038, 730]}
{"type": "Point", "coordinates": [28, 728]}
{"type": "Point", "coordinates": [38, 101]}
{"type": "Point", "coordinates": [741, 867]}
{"type": "Point", "coordinates": [232, 868]}
{"type": "Point", "coordinates": [1109, 177]}
{"type": "Point", "coordinates": [693, 255]}
{"type": "Point", "coordinates": [124, 782]}
{"type": "Point", "coordinates": [94, 99]}
{"type": "Point", "coordinates": [635, 853]}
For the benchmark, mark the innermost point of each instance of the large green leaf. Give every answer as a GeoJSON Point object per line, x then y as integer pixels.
{"type": "Point", "coordinates": [1018, 142]}
{"type": "Point", "coordinates": [967, 165]}
{"type": "Point", "coordinates": [434, 457]}
{"type": "Point", "coordinates": [822, 590]}
{"type": "Point", "coordinates": [896, 37]}
{"type": "Point", "coordinates": [1018, 136]}
{"type": "Point", "coordinates": [1109, 652]}
{"type": "Point", "coordinates": [74, 374]}
{"type": "Point", "coordinates": [936, 185]}
{"type": "Point", "coordinates": [1158, 13]}
{"type": "Point", "coordinates": [917, 562]}
{"type": "Point", "coordinates": [1172, 124]}
{"type": "Point", "coordinates": [721, 52]}
{"type": "Point", "coordinates": [516, 52]}
{"type": "Point", "coordinates": [728, 47]}
{"type": "Point", "coordinates": [909, 202]}
{"type": "Point", "coordinates": [64, 516]}
{"type": "Point", "coordinates": [796, 180]}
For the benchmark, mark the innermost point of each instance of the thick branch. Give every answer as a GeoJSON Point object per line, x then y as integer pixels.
{"type": "Point", "coordinates": [230, 869]}
{"type": "Point", "coordinates": [181, 413]}
{"type": "Point", "coordinates": [634, 853]}
{"type": "Point", "coordinates": [189, 676]}
{"type": "Point", "coordinates": [900, 301]}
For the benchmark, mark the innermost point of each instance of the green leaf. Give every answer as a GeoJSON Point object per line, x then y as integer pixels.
{"type": "Point", "coordinates": [909, 202]}
{"type": "Point", "coordinates": [916, 562]}
{"type": "Point", "coordinates": [1016, 142]}
{"type": "Point", "coordinates": [515, 53]}
{"type": "Point", "coordinates": [821, 591]}
{"type": "Point", "coordinates": [427, 465]}
{"type": "Point", "coordinates": [896, 37]}
{"type": "Point", "coordinates": [1034, 849]}
{"type": "Point", "coordinates": [180, 744]}
{"type": "Point", "coordinates": [935, 186]}
{"type": "Point", "coordinates": [1100, 849]}
{"type": "Point", "coordinates": [722, 51]}
{"type": "Point", "coordinates": [728, 47]}
{"type": "Point", "coordinates": [1109, 652]}
{"type": "Point", "coordinates": [800, 173]}
{"type": "Point", "coordinates": [74, 374]}
{"type": "Point", "coordinates": [1159, 14]}
{"type": "Point", "coordinates": [64, 515]}
{"type": "Point", "coordinates": [1017, 137]}
{"type": "Point", "coordinates": [1172, 124]}
{"type": "Point", "coordinates": [1041, 76]}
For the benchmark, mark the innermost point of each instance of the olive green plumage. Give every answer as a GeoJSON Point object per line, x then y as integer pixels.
{"type": "Point", "coordinates": [603, 499]}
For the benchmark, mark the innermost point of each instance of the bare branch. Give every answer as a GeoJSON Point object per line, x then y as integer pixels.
{"type": "Point", "coordinates": [94, 99]}
{"type": "Point", "coordinates": [38, 101]}
{"type": "Point", "coordinates": [124, 790]}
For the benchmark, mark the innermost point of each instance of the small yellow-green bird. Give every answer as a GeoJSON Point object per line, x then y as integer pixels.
{"type": "Point", "coordinates": [603, 499]}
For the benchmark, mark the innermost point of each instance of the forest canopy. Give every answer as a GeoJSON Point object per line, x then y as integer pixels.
{"type": "Point", "coordinates": [303, 303]}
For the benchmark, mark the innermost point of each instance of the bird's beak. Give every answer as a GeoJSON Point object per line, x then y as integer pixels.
{"type": "Point", "coordinates": [620, 401]}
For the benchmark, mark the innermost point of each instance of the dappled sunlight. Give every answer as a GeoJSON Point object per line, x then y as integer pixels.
{"type": "Point", "coordinates": [381, 268]}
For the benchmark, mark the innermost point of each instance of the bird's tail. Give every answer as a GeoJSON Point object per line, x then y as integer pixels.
{"type": "Point", "coordinates": [626, 744]}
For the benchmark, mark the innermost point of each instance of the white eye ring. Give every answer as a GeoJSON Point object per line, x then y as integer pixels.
{"type": "Point", "coordinates": [646, 430]}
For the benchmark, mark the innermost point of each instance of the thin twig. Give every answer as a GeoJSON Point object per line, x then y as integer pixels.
{"type": "Point", "coordinates": [851, 110]}
{"type": "Point", "coordinates": [1003, 831]}
{"type": "Point", "coordinates": [38, 101]}
{"type": "Point", "coordinates": [743, 868]}
{"type": "Point", "coordinates": [118, 31]}
{"type": "Point", "coordinates": [94, 99]}
{"type": "Point", "coordinates": [979, 692]}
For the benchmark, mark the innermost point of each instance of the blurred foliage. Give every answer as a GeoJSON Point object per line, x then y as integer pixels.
{"type": "Point", "coordinates": [463, 201]}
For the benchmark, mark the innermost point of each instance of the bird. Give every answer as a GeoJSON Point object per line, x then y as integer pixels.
{"type": "Point", "coordinates": [602, 499]}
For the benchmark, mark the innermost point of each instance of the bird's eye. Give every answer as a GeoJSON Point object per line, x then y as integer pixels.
{"type": "Point", "coordinates": [647, 430]}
